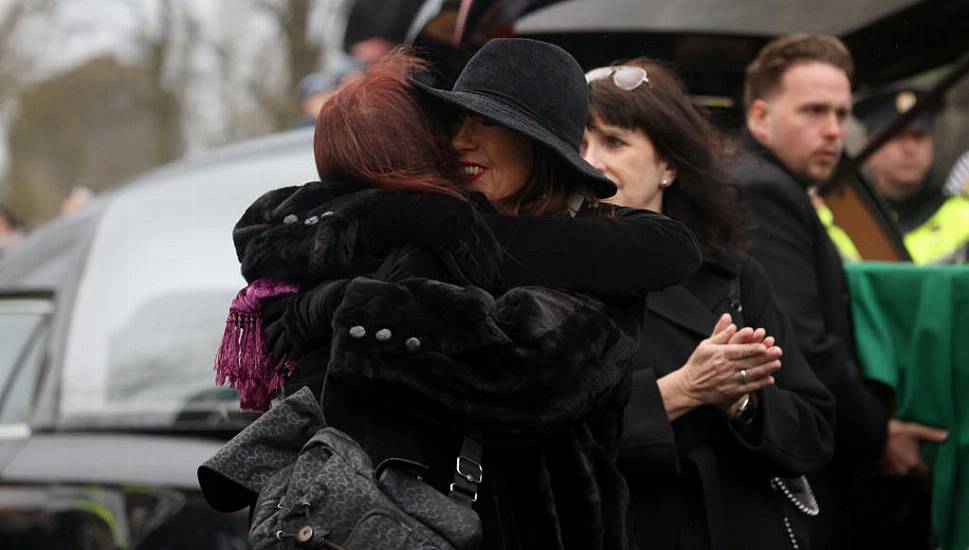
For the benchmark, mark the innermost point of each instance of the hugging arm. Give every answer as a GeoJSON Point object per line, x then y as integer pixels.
{"type": "Point", "coordinates": [482, 364]}
{"type": "Point", "coordinates": [628, 255]}
{"type": "Point", "coordinates": [319, 231]}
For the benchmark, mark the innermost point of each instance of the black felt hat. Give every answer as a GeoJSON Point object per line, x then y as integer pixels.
{"type": "Point", "coordinates": [532, 87]}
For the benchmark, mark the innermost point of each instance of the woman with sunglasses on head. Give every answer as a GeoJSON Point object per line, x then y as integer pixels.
{"type": "Point", "coordinates": [718, 472]}
{"type": "Point", "coordinates": [413, 356]}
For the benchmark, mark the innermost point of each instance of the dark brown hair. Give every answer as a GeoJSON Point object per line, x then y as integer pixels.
{"type": "Point", "coordinates": [765, 72]}
{"type": "Point", "coordinates": [374, 129]}
{"type": "Point", "coordinates": [547, 190]}
{"type": "Point", "coordinates": [702, 196]}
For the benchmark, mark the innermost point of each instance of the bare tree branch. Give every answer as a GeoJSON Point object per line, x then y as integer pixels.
{"type": "Point", "coordinates": [16, 62]}
{"type": "Point", "coordinates": [301, 55]}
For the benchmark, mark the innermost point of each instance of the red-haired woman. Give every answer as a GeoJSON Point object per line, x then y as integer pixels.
{"type": "Point", "coordinates": [417, 317]}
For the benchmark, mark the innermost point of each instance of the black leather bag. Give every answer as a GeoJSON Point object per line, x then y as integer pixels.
{"type": "Point", "coordinates": [312, 486]}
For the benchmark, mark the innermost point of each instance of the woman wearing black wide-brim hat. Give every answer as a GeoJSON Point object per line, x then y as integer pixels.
{"type": "Point", "coordinates": [519, 110]}
{"type": "Point", "coordinates": [522, 107]}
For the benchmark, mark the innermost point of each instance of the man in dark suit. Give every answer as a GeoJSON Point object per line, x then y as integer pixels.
{"type": "Point", "coordinates": [798, 97]}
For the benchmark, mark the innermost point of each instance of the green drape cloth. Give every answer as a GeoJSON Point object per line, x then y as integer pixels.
{"type": "Point", "coordinates": [912, 331]}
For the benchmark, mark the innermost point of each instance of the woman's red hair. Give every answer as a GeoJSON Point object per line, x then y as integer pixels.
{"type": "Point", "coordinates": [374, 129]}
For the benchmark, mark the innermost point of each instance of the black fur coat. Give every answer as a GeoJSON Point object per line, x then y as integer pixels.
{"type": "Point", "coordinates": [414, 357]}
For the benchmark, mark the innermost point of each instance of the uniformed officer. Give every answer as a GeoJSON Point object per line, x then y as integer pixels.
{"type": "Point", "coordinates": [935, 226]}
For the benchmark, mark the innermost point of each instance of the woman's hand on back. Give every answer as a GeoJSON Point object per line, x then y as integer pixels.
{"type": "Point", "coordinates": [432, 220]}
{"type": "Point", "coordinates": [439, 222]}
{"type": "Point", "coordinates": [715, 372]}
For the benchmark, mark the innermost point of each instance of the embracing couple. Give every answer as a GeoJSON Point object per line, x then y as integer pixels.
{"type": "Point", "coordinates": [460, 272]}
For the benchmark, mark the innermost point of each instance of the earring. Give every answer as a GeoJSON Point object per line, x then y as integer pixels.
{"type": "Point", "coordinates": [665, 182]}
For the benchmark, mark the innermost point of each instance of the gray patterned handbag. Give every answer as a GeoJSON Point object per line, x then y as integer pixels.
{"type": "Point", "coordinates": [312, 486]}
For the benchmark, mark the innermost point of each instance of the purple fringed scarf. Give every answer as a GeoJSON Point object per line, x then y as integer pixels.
{"type": "Point", "coordinates": [243, 360]}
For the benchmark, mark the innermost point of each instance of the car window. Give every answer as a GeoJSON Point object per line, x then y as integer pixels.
{"type": "Point", "coordinates": [23, 330]}
{"type": "Point", "coordinates": [151, 304]}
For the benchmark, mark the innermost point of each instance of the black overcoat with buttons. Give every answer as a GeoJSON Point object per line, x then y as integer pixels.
{"type": "Point", "coordinates": [809, 282]}
{"type": "Point", "coordinates": [702, 481]}
{"type": "Point", "coordinates": [412, 362]}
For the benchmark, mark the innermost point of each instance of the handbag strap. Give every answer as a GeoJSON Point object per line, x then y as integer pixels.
{"type": "Point", "coordinates": [468, 472]}
{"type": "Point", "coordinates": [734, 303]}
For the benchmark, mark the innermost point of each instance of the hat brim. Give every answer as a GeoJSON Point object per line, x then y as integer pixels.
{"type": "Point", "coordinates": [874, 123]}
{"type": "Point", "coordinates": [497, 111]}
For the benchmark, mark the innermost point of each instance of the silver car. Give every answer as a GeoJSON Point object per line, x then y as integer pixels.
{"type": "Point", "coordinates": [109, 322]}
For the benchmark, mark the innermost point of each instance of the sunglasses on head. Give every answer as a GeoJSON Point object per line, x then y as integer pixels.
{"type": "Point", "coordinates": [625, 77]}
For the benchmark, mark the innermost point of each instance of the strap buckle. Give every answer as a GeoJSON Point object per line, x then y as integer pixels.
{"type": "Point", "coordinates": [471, 470]}
{"type": "Point", "coordinates": [468, 472]}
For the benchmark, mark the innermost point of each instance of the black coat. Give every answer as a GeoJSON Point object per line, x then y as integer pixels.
{"type": "Point", "coordinates": [539, 375]}
{"type": "Point", "coordinates": [702, 481]}
{"type": "Point", "coordinates": [809, 283]}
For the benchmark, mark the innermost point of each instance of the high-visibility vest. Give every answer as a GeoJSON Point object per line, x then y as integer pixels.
{"type": "Point", "coordinates": [944, 237]}
{"type": "Point", "coordinates": [842, 242]}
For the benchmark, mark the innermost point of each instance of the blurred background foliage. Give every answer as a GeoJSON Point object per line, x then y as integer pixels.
{"type": "Point", "coordinates": [179, 77]}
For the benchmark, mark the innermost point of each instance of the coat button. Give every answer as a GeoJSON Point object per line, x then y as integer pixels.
{"type": "Point", "coordinates": [357, 331]}
{"type": "Point", "coordinates": [311, 220]}
{"type": "Point", "coordinates": [412, 344]}
{"type": "Point", "coordinates": [305, 534]}
{"type": "Point", "coordinates": [290, 218]}
{"type": "Point", "coordinates": [383, 335]}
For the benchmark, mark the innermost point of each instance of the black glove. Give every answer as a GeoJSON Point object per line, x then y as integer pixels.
{"type": "Point", "coordinates": [305, 322]}
{"type": "Point", "coordinates": [277, 344]}
{"type": "Point", "coordinates": [273, 308]}
{"type": "Point", "coordinates": [477, 262]}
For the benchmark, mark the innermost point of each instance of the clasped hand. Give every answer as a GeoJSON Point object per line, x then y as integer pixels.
{"type": "Point", "coordinates": [725, 367]}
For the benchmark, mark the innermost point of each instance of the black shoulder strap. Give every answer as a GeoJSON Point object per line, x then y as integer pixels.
{"type": "Point", "coordinates": [734, 303]}
{"type": "Point", "coordinates": [468, 472]}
